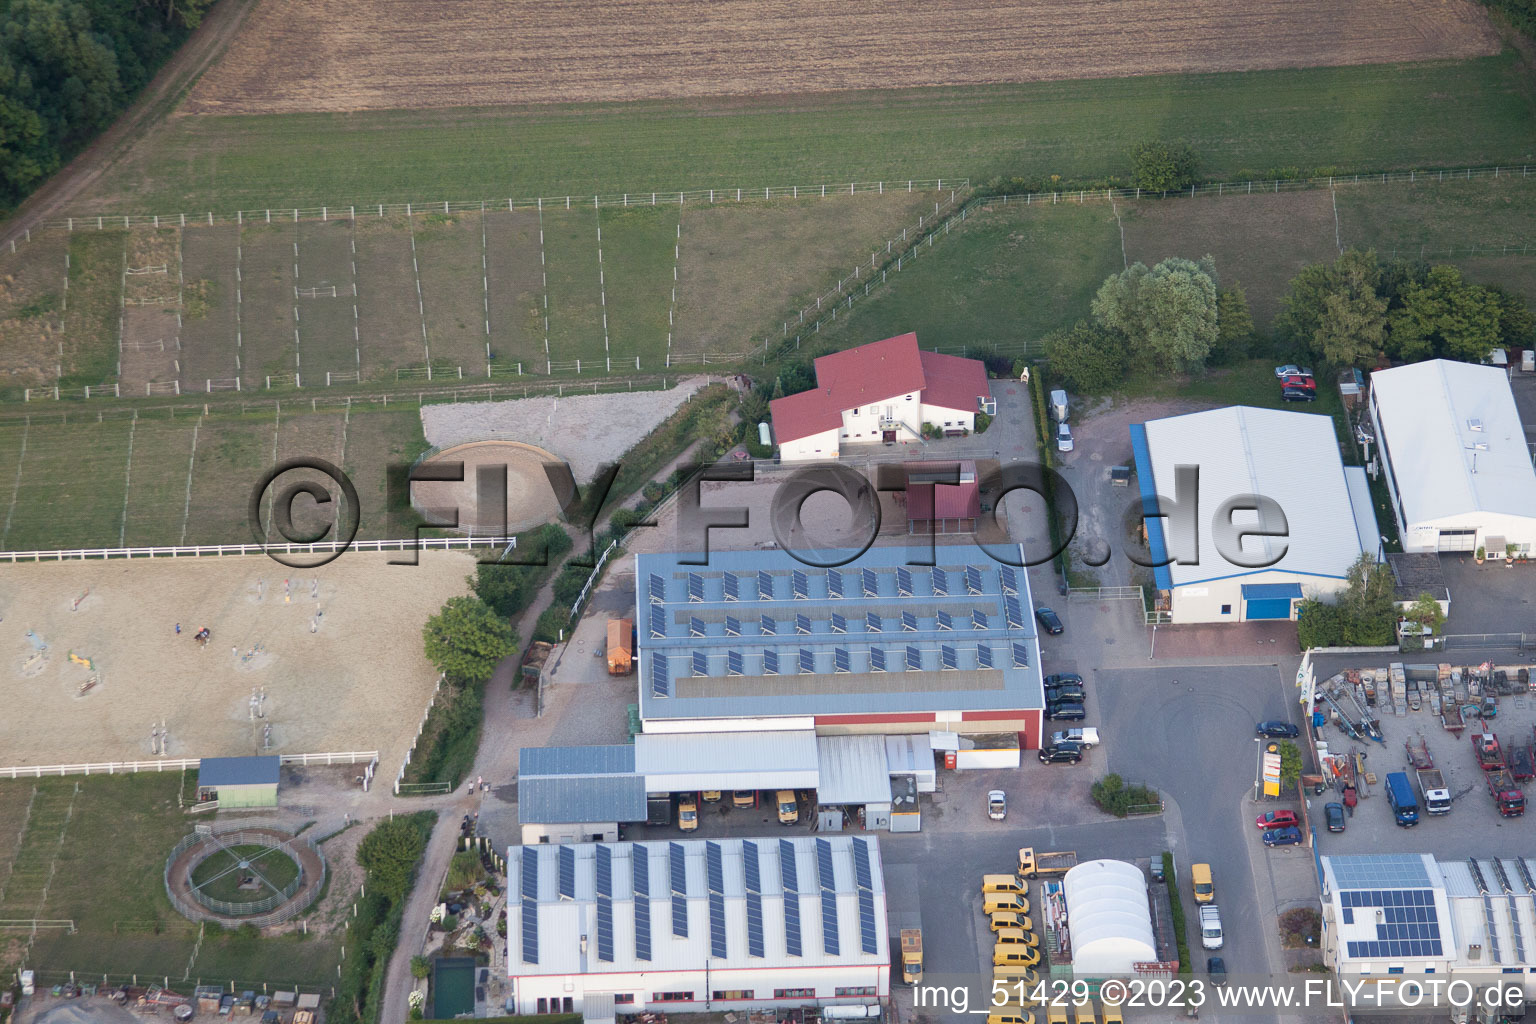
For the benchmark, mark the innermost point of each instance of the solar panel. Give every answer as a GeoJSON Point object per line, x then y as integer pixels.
{"type": "Point", "coordinates": [869, 941]}
{"type": "Point", "coordinates": [750, 869]}
{"type": "Point", "coordinates": [717, 946]}
{"type": "Point", "coordinates": [643, 928]}
{"type": "Point", "coordinates": [983, 656]}
{"type": "Point", "coordinates": [908, 622]}
{"type": "Point", "coordinates": [876, 659]}
{"type": "Point", "coordinates": [700, 663]}
{"type": "Point", "coordinates": [1020, 655]}
{"type": "Point", "coordinates": [788, 870]}
{"type": "Point", "coordinates": [567, 873]}
{"type": "Point", "coordinates": [792, 945]}
{"type": "Point", "coordinates": [755, 945]}
{"type": "Point", "coordinates": [661, 683]}
{"type": "Point", "coordinates": [695, 587]}
{"type": "Point", "coordinates": [604, 880]}
{"type": "Point", "coordinates": [914, 659]}
{"type": "Point", "coordinates": [800, 584]}
{"type": "Point", "coordinates": [824, 876]}
{"type": "Point", "coordinates": [732, 626]}
{"type": "Point", "coordinates": [764, 585]}
{"type": "Point", "coordinates": [807, 660]}
{"type": "Point", "coordinates": [735, 664]}
{"type": "Point", "coordinates": [530, 874]}
{"type": "Point", "coordinates": [770, 663]}
{"type": "Point", "coordinates": [978, 619]}
{"type": "Point", "coordinates": [944, 621]}
{"type": "Point", "coordinates": [1013, 612]}
{"type": "Point", "coordinates": [802, 624]}
{"type": "Point", "coordinates": [840, 660]}
{"type": "Point", "coordinates": [903, 581]}
{"type": "Point", "coordinates": [871, 622]}
{"type": "Point", "coordinates": [973, 579]}
{"type": "Point", "coordinates": [839, 624]}
{"type": "Point", "coordinates": [675, 857]}
{"type": "Point", "coordinates": [605, 929]}
{"type": "Point", "coordinates": [530, 932]}
{"type": "Point", "coordinates": [767, 625]}
{"type": "Point", "coordinates": [870, 582]}
{"type": "Point", "coordinates": [657, 589]}
{"type": "Point", "coordinates": [834, 583]}
{"type": "Point", "coordinates": [940, 583]}
{"type": "Point", "coordinates": [714, 867]}
{"type": "Point", "coordinates": [829, 933]}
{"type": "Point", "coordinates": [658, 622]}
{"type": "Point", "coordinates": [695, 626]}
{"type": "Point", "coordinates": [732, 586]}
{"type": "Point", "coordinates": [862, 873]}
{"type": "Point", "coordinates": [640, 866]}
{"type": "Point", "coordinates": [947, 657]}
{"type": "Point", "coordinates": [1010, 580]}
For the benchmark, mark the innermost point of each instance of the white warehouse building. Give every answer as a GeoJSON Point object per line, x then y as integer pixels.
{"type": "Point", "coordinates": [1455, 457]}
{"type": "Point", "coordinates": [700, 925]}
{"type": "Point", "coordinates": [1291, 458]}
{"type": "Point", "coordinates": [1109, 917]}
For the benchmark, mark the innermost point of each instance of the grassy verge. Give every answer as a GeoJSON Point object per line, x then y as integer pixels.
{"type": "Point", "coordinates": [1444, 113]}
{"type": "Point", "coordinates": [449, 740]}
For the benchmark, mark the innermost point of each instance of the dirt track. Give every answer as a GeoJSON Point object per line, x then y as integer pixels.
{"type": "Point", "coordinates": [333, 55]}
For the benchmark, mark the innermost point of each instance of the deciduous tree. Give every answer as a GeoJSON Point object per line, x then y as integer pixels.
{"type": "Point", "coordinates": [1088, 358]}
{"type": "Point", "coordinates": [1167, 314]}
{"type": "Point", "coordinates": [467, 639]}
{"type": "Point", "coordinates": [1163, 166]}
{"type": "Point", "coordinates": [1448, 317]}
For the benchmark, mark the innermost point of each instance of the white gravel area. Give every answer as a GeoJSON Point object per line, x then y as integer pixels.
{"type": "Point", "coordinates": [586, 431]}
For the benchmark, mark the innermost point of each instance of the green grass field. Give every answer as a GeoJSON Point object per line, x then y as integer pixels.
{"type": "Point", "coordinates": [220, 876]}
{"type": "Point", "coordinates": [104, 866]}
{"type": "Point", "coordinates": [1371, 117]}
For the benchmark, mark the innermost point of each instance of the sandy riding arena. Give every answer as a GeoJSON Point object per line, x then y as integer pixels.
{"type": "Point", "coordinates": [333, 656]}
{"type": "Point", "coordinates": [322, 55]}
{"type": "Point", "coordinates": [531, 500]}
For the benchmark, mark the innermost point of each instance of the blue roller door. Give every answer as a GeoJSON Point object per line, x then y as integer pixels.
{"type": "Point", "coordinates": [1269, 600]}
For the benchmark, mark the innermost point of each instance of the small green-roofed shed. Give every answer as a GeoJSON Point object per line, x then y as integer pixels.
{"type": "Point", "coordinates": [239, 781]}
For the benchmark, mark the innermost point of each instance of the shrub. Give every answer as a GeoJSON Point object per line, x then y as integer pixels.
{"type": "Point", "coordinates": [556, 617]}
{"type": "Point", "coordinates": [1089, 358]}
{"type": "Point", "coordinates": [1163, 166]}
{"type": "Point", "coordinates": [983, 421]}
{"type": "Point", "coordinates": [1113, 796]}
{"type": "Point", "coordinates": [1176, 905]}
{"type": "Point", "coordinates": [465, 870]}
{"type": "Point", "coordinates": [1300, 928]}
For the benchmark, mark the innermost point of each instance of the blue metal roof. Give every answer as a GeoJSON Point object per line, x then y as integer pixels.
{"type": "Point", "coordinates": [579, 784]}
{"type": "Point", "coordinates": [1144, 479]}
{"type": "Point", "coordinates": [1271, 591]}
{"type": "Point", "coordinates": [603, 760]}
{"type": "Point", "coordinates": [238, 771]}
{"type": "Point", "coordinates": [789, 658]}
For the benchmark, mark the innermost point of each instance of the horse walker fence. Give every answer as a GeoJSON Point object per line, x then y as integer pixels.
{"type": "Point", "coordinates": [284, 903]}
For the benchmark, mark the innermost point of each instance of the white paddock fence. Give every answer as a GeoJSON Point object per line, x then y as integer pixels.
{"type": "Point", "coordinates": [212, 550]}
{"type": "Point", "coordinates": [178, 764]}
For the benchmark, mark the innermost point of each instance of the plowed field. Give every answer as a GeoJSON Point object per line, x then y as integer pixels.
{"type": "Point", "coordinates": [340, 55]}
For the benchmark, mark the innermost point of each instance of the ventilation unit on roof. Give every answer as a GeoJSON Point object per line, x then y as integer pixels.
{"type": "Point", "coordinates": [1475, 425]}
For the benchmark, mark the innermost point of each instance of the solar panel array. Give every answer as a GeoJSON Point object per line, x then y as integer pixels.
{"type": "Point", "coordinates": [834, 583]}
{"type": "Point", "coordinates": [908, 622]}
{"type": "Point", "coordinates": [943, 620]}
{"type": "Point", "coordinates": [661, 682]}
{"type": "Point", "coordinates": [715, 875]}
{"type": "Point", "coordinates": [789, 875]}
{"type": "Point", "coordinates": [1514, 916]}
{"type": "Point", "coordinates": [800, 584]}
{"type": "Point", "coordinates": [948, 658]}
{"type": "Point", "coordinates": [864, 876]}
{"type": "Point", "coordinates": [869, 582]}
{"type": "Point", "coordinates": [658, 622]}
{"type": "Point", "coordinates": [530, 915]}
{"type": "Point", "coordinates": [941, 582]}
{"type": "Point", "coordinates": [754, 883]}
{"type": "Point", "coordinates": [1020, 655]}
{"type": "Point", "coordinates": [695, 626]}
{"type": "Point", "coordinates": [764, 585]}
{"type": "Point", "coordinates": [1010, 580]}
{"type": "Point", "coordinates": [735, 664]}
{"type": "Point", "coordinates": [695, 587]}
{"type": "Point", "coordinates": [567, 873]}
{"type": "Point", "coordinates": [840, 660]}
{"type": "Point", "coordinates": [768, 625]}
{"type": "Point", "coordinates": [903, 581]}
{"type": "Point", "coordinates": [914, 659]}
{"type": "Point", "coordinates": [677, 859]}
{"type": "Point", "coordinates": [1409, 924]}
{"type": "Point", "coordinates": [876, 659]}
{"type": "Point", "coordinates": [1482, 887]}
{"type": "Point", "coordinates": [732, 586]}
{"type": "Point", "coordinates": [732, 626]}
{"type": "Point", "coordinates": [839, 623]}
{"type": "Point", "coordinates": [770, 663]}
{"type": "Point", "coordinates": [983, 656]}
{"type": "Point", "coordinates": [973, 579]}
{"type": "Point", "coordinates": [978, 619]}
{"type": "Point", "coordinates": [700, 663]}
{"type": "Point", "coordinates": [605, 929]}
{"type": "Point", "coordinates": [803, 624]}
{"type": "Point", "coordinates": [829, 930]}
{"type": "Point", "coordinates": [807, 661]}
{"type": "Point", "coordinates": [656, 589]}
{"type": "Point", "coordinates": [640, 862]}
{"type": "Point", "coordinates": [1013, 612]}
{"type": "Point", "coordinates": [871, 622]}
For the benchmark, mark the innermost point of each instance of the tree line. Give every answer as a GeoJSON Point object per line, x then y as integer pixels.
{"type": "Point", "coordinates": [67, 68]}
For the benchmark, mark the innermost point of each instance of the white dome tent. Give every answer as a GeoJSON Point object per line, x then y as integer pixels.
{"type": "Point", "coordinates": [1110, 922]}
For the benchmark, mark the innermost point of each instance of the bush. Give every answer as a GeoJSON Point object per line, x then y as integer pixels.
{"type": "Point", "coordinates": [1087, 357]}
{"type": "Point", "coordinates": [451, 736]}
{"type": "Point", "coordinates": [1176, 905]}
{"type": "Point", "coordinates": [465, 870]}
{"type": "Point", "coordinates": [508, 587]}
{"type": "Point", "coordinates": [555, 618]}
{"type": "Point", "coordinates": [1113, 796]}
{"type": "Point", "coordinates": [1163, 166]}
{"type": "Point", "coordinates": [1300, 928]}
{"type": "Point", "coordinates": [983, 421]}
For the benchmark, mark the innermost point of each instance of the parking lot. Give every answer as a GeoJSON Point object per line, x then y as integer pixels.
{"type": "Point", "coordinates": [1473, 827]}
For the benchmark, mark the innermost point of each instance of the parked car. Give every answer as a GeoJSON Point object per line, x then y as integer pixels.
{"type": "Point", "coordinates": [1277, 819]}
{"type": "Point", "coordinates": [1283, 837]}
{"type": "Point", "coordinates": [1087, 738]}
{"type": "Point", "coordinates": [997, 805]}
{"type": "Point", "coordinates": [1065, 712]}
{"type": "Point", "coordinates": [1296, 394]}
{"type": "Point", "coordinates": [1049, 621]}
{"type": "Point", "coordinates": [1277, 730]}
{"type": "Point", "coordinates": [1292, 370]}
{"type": "Point", "coordinates": [1298, 382]}
{"type": "Point", "coordinates": [1064, 679]}
{"type": "Point", "coordinates": [1063, 437]}
{"type": "Point", "coordinates": [1216, 967]}
{"type": "Point", "coordinates": [1064, 694]}
{"type": "Point", "coordinates": [1334, 813]}
{"type": "Point", "coordinates": [1061, 753]}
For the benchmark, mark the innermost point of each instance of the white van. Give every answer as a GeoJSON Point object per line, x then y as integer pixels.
{"type": "Point", "coordinates": [1059, 406]}
{"type": "Point", "coordinates": [1210, 926]}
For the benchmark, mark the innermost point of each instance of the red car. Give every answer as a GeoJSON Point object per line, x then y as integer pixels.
{"type": "Point", "coordinates": [1277, 819]}
{"type": "Point", "coordinates": [1298, 382]}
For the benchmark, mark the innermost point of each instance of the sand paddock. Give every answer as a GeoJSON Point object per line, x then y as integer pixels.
{"type": "Point", "coordinates": [352, 677]}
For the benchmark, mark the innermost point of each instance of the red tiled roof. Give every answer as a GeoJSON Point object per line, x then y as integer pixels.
{"type": "Point", "coordinates": [871, 373]}
{"type": "Point", "coordinates": [952, 382]}
{"type": "Point", "coordinates": [804, 414]}
{"type": "Point", "coordinates": [944, 501]}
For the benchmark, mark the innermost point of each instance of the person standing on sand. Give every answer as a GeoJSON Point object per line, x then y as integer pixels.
{"type": "Point", "coordinates": [178, 629]}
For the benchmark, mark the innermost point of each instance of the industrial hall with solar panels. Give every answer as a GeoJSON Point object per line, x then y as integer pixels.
{"type": "Point", "coordinates": [695, 925]}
